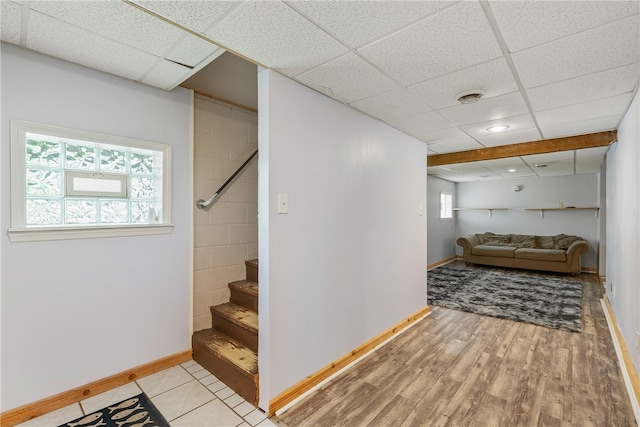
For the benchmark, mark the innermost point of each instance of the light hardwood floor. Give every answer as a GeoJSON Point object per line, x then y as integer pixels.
{"type": "Point", "coordinates": [461, 369]}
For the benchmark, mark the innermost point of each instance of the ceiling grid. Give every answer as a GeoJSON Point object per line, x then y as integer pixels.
{"type": "Point", "coordinates": [547, 69]}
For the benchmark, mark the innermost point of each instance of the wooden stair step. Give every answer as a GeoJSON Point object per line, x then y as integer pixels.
{"type": "Point", "coordinates": [237, 322]}
{"type": "Point", "coordinates": [251, 267]}
{"type": "Point", "coordinates": [230, 361]}
{"type": "Point", "coordinates": [246, 286]}
{"type": "Point", "coordinates": [245, 294]}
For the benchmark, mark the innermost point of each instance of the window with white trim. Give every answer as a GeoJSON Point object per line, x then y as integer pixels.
{"type": "Point", "coordinates": [446, 206]}
{"type": "Point", "coordinates": [68, 183]}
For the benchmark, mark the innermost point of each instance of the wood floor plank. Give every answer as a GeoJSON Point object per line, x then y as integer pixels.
{"type": "Point", "coordinates": [394, 413]}
{"type": "Point", "coordinates": [462, 369]}
{"type": "Point", "coordinates": [433, 403]}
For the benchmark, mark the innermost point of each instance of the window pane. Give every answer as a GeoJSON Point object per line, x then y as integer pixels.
{"type": "Point", "coordinates": [43, 182]}
{"type": "Point", "coordinates": [113, 211]}
{"type": "Point", "coordinates": [44, 212]}
{"type": "Point", "coordinates": [141, 164]}
{"type": "Point", "coordinates": [113, 160]}
{"type": "Point", "coordinates": [41, 152]}
{"type": "Point", "coordinates": [81, 211]}
{"type": "Point", "coordinates": [446, 205]}
{"type": "Point", "coordinates": [141, 188]}
{"type": "Point", "coordinates": [140, 212]}
{"type": "Point", "coordinates": [71, 177]}
{"type": "Point", "coordinates": [80, 157]}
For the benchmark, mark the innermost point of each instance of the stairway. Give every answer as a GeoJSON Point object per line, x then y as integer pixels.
{"type": "Point", "coordinates": [229, 350]}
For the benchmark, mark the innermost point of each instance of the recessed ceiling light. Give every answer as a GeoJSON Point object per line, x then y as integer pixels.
{"type": "Point", "coordinates": [541, 165]}
{"type": "Point", "coordinates": [498, 128]}
{"type": "Point", "coordinates": [512, 170]}
{"type": "Point", "coordinates": [470, 96]}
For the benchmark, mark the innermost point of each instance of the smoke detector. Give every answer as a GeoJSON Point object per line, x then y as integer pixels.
{"type": "Point", "coordinates": [470, 96]}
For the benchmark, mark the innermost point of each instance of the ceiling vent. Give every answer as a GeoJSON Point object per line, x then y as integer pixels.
{"type": "Point", "coordinates": [470, 96]}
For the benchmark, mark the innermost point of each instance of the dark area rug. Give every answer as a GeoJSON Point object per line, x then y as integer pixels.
{"type": "Point", "coordinates": [135, 411]}
{"type": "Point", "coordinates": [545, 301]}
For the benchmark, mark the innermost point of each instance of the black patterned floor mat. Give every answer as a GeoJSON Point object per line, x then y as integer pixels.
{"type": "Point", "coordinates": [137, 411]}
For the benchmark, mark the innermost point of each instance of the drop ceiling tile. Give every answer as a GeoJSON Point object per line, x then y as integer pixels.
{"type": "Point", "coordinates": [166, 75]}
{"type": "Point", "coordinates": [528, 23]}
{"type": "Point", "coordinates": [507, 138]}
{"type": "Point", "coordinates": [499, 107]}
{"type": "Point", "coordinates": [392, 105]}
{"type": "Point", "coordinates": [515, 123]}
{"type": "Point", "coordinates": [347, 79]}
{"type": "Point", "coordinates": [114, 20]}
{"type": "Point", "coordinates": [65, 41]}
{"type": "Point", "coordinates": [275, 36]}
{"type": "Point", "coordinates": [614, 106]}
{"type": "Point", "coordinates": [195, 15]}
{"type": "Point", "coordinates": [451, 176]}
{"type": "Point", "coordinates": [11, 18]}
{"type": "Point", "coordinates": [559, 163]}
{"type": "Point", "coordinates": [420, 123]}
{"type": "Point", "coordinates": [359, 22]}
{"type": "Point", "coordinates": [192, 50]}
{"type": "Point", "coordinates": [582, 127]}
{"type": "Point", "coordinates": [502, 166]}
{"type": "Point", "coordinates": [431, 170]}
{"type": "Point", "coordinates": [437, 45]}
{"type": "Point", "coordinates": [586, 88]}
{"type": "Point", "coordinates": [455, 146]}
{"type": "Point", "coordinates": [493, 77]}
{"type": "Point", "coordinates": [589, 160]}
{"type": "Point", "coordinates": [602, 48]}
{"type": "Point", "coordinates": [468, 168]}
{"type": "Point", "coordinates": [444, 135]}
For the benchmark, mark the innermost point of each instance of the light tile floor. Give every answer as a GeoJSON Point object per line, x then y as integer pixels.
{"type": "Point", "coordinates": [187, 395]}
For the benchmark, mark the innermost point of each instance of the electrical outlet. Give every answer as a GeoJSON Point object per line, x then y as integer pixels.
{"type": "Point", "coordinates": [613, 291]}
{"type": "Point", "coordinates": [638, 341]}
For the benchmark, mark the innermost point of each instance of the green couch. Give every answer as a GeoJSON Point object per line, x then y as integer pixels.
{"type": "Point", "coordinates": [559, 253]}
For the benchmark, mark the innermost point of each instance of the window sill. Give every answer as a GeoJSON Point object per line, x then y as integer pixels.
{"type": "Point", "coordinates": [72, 233]}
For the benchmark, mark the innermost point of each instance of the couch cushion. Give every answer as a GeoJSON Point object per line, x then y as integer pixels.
{"type": "Point", "coordinates": [545, 242]}
{"type": "Point", "coordinates": [497, 251]}
{"type": "Point", "coordinates": [523, 241]}
{"type": "Point", "coordinates": [541, 254]}
{"type": "Point", "coordinates": [496, 239]}
{"type": "Point", "coordinates": [562, 241]}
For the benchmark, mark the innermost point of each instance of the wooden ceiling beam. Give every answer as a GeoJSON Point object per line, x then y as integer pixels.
{"type": "Point", "coordinates": [600, 139]}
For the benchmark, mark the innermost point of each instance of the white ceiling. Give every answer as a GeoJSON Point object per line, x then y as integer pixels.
{"type": "Point", "coordinates": [548, 68]}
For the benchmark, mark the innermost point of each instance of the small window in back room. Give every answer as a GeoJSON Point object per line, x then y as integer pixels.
{"type": "Point", "coordinates": [446, 206]}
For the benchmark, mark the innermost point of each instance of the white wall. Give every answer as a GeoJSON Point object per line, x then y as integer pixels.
{"type": "Point", "coordinates": [441, 241]}
{"type": "Point", "coordinates": [348, 260]}
{"type": "Point", "coordinates": [623, 228]}
{"type": "Point", "coordinates": [74, 311]}
{"type": "Point", "coordinates": [573, 190]}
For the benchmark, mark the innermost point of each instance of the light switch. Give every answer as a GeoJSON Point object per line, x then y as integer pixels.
{"type": "Point", "coordinates": [420, 209]}
{"type": "Point", "coordinates": [283, 203]}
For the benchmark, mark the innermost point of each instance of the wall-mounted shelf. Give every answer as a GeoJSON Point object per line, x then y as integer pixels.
{"type": "Point", "coordinates": [481, 209]}
{"type": "Point", "coordinates": [595, 209]}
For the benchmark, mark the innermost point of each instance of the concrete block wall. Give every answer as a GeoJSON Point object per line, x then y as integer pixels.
{"type": "Point", "coordinates": [227, 234]}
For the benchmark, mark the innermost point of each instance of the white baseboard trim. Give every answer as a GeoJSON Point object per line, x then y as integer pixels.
{"type": "Point", "coordinates": [623, 366]}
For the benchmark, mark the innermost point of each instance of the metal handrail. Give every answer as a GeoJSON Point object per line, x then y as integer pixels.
{"type": "Point", "coordinates": [204, 204]}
